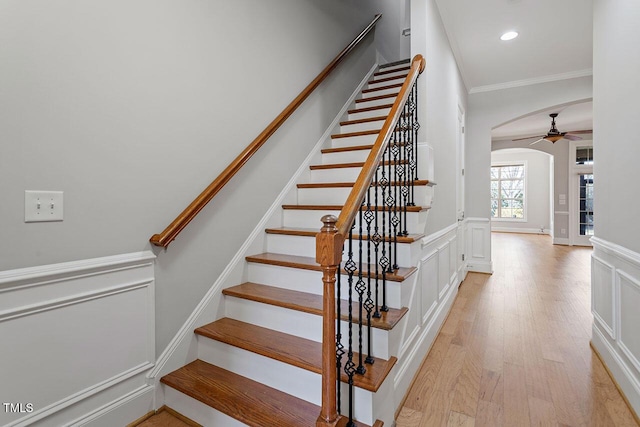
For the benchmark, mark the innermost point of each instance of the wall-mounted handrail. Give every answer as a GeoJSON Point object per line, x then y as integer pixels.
{"type": "Point", "coordinates": [169, 234]}
{"type": "Point", "coordinates": [330, 241]}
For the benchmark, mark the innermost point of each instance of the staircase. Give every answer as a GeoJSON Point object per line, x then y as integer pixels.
{"type": "Point", "coordinates": [260, 364]}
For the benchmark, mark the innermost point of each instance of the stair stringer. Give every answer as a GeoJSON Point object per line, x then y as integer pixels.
{"type": "Point", "coordinates": [183, 347]}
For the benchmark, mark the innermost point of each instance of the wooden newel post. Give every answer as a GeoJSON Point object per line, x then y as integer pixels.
{"type": "Point", "coordinates": [328, 255]}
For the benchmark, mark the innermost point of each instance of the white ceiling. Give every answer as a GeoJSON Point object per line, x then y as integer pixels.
{"type": "Point", "coordinates": [555, 40]}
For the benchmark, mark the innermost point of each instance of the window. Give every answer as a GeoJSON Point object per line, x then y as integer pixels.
{"type": "Point", "coordinates": [507, 191]}
{"type": "Point", "coordinates": [586, 205]}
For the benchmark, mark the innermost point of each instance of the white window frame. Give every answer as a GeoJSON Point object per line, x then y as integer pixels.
{"type": "Point", "coordinates": [526, 189]}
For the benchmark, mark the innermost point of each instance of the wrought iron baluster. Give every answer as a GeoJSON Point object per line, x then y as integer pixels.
{"type": "Point", "coordinates": [376, 245]}
{"type": "Point", "coordinates": [416, 126]}
{"type": "Point", "coordinates": [368, 304]}
{"type": "Point", "coordinates": [360, 288]}
{"type": "Point", "coordinates": [339, 347]}
{"type": "Point", "coordinates": [350, 366]}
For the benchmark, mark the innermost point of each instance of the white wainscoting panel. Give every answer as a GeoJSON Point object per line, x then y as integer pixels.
{"type": "Point", "coordinates": [444, 276]}
{"type": "Point", "coordinates": [603, 294]}
{"type": "Point", "coordinates": [429, 285]}
{"type": "Point", "coordinates": [71, 332]}
{"type": "Point", "coordinates": [615, 289]}
{"type": "Point", "coordinates": [478, 243]}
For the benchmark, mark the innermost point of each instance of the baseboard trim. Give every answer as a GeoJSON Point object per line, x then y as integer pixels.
{"type": "Point", "coordinates": [520, 230]}
{"type": "Point", "coordinates": [619, 372]}
{"type": "Point", "coordinates": [480, 267]}
{"type": "Point", "coordinates": [561, 241]}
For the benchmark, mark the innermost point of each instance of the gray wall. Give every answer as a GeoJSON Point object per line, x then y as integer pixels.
{"type": "Point", "coordinates": [616, 90]}
{"type": "Point", "coordinates": [441, 92]}
{"type": "Point", "coordinates": [133, 107]}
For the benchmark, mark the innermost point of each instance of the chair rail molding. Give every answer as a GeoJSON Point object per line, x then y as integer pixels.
{"type": "Point", "coordinates": [82, 339]}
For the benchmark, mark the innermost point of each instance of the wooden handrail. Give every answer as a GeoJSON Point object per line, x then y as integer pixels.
{"type": "Point", "coordinates": [331, 238]}
{"type": "Point", "coordinates": [354, 201]}
{"type": "Point", "coordinates": [169, 234]}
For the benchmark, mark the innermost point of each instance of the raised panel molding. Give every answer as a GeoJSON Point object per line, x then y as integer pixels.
{"type": "Point", "coordinates": [82, 337]}
{"type": "Point", "coordinates": [628, 316]}
{"type": "Point", "coordinates": [603, 294]}
{"type": "Point", "coordinates": [478, 245]}
{"type": "Point", "coordinates": [616, 272]}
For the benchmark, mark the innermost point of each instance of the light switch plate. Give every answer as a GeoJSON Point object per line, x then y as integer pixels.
{"type": "Point", "coordinates": [41, 206]}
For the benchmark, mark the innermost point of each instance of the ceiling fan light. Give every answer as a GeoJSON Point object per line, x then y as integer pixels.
{"type": "Point", "coordinates": [509, 35]}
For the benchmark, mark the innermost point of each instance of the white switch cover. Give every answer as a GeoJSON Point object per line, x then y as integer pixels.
{"type": "Point", "coordinates": [42, 206]}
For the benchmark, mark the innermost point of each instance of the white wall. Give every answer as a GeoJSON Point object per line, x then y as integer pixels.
{"type": "Point", "coordinates": [441, 91]}
{"type": "Point", "coordinates": [537, 179]}
{"type": "Point", "coordinates": [132, 108]}
{"type": "Point", "coordinates": [615, 277]}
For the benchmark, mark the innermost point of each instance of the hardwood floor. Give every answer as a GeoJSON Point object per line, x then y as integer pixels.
{"type": "Point", "coordinates": [515, 349]}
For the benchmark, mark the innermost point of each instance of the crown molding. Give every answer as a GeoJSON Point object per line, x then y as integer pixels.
{"type": "Point", "coordinates": [533, 81]}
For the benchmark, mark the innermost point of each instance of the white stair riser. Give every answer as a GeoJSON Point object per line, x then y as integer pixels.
{"type": "Point", "coordinates": [345, 157]}
{"type": "Point", "coordinates": [394, 67]}
{"type": "Point", "coordinates": [400, 72]}
{"type": "Point", "coordinates": [287, 378]}
{"type": "Point", "coordinates": [197, 411]}
{"type": "Point", "coordinates": [368, 114]}
{"type": "Point", "coordinates": [359, 127]}
{"type": "Point", "coordinates": [306, 246]}
{"type": "Point", "coordinates": [416, 221]}
{"type": "Point", "coordinates": [300, 324]}
{"type": "Point", "coordinates": [394, 90]}
{"type": "Point", "coordinates": [311, 281]}
{"type": "Point", "coordinates": [374, 102]}
{"type": "Point", "coordinates": [354, 141]}
{"type": "Point", "coordinates": [376, 84]}
{"type": "Point", "coordinates": [337, 196]}
{"type": "Point", "coordinates": [335, 175]}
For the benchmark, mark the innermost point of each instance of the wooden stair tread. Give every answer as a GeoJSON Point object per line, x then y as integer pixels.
{"type": "Point", "coordinates": [248, 401]}
{"type": "Point", "coordinates": [311, 232]}
{"type": "Point", "coordinates": [352, 134]}
{"type": "Point", "coordinates": [308, 303]}
{"type": "Point", "coordinates": [308, 263]}
{"type": "Point", "coordinates": [352, 165]}
{"type": "Point", "coordinates": [375, 89]}
{"type": "Point", "coordinates": [339, 208]}
{"type": "Point", "coordinates": [367, 120]}
{"type": "Point", "coordinates": [385, 79]}
{"type": "Point", "coordinates": [417, 182]}
{"type": "Point", "coordinates": [376, 98]}
{"type": "Point", "coordinates": [296, 351]}
{"type": "Point", "coordinates": [396, 70]}
{"type": "Point", "coordinates": [343, 149]}
{"type": "Point", "coordinates": [372, 108]}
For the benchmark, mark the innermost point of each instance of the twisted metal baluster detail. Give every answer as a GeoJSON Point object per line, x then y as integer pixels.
{"type": "Point", "coordinates": [376, 238]}
{"type": "Point", "coordinates": [368, 303]}
{"type": "Point", "coordinates": [339, 347]}
{"type": "Point", "coordinates": [360, 288]}
{"type": "Point", "coordinates": [350, 366]}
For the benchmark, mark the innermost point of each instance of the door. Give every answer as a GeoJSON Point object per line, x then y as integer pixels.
{"type": "Point", "coordinates": [581, 220]}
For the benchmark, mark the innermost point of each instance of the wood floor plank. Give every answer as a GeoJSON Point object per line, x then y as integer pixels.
{"type": "Point", "coordinates": [527, 327]}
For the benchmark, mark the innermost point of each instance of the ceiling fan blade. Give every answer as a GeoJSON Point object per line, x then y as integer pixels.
{"type": "Point", "coordinates": [535, 142]}
{"type": "Point", "coordinates": [528, 137]}
{"type": "Point", "coordinates": [572, 137]}
{"type": "Point", "coordinates": [581, 131]}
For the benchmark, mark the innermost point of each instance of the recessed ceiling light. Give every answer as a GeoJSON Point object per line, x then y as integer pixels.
{"type": "Point", "coordinates": [509, 35]}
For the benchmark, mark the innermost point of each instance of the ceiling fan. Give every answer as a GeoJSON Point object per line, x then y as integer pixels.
{"type": "Point", "coordinates": [554, 134]}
